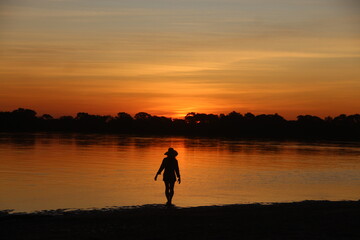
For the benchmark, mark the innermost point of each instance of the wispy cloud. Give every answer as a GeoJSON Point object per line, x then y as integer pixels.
{"type": "Point", "coordinates": [30, 12]}
{"type": "Point", "coordinates": [182, 55]}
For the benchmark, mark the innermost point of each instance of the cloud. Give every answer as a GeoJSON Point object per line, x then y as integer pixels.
{"type": "Point", "coordinates": [180, 55]}
{"type": "Point", "coordinates": [30, 12]}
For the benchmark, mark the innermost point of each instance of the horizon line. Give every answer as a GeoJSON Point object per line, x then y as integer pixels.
{"type": "Point", "coordinates": [174, 118]}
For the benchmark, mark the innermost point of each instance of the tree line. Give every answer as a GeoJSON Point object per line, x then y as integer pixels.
{"type": "Point", "coordinates": [233, 124]}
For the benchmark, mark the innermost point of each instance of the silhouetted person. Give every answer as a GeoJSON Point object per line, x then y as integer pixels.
{"type": "Point", "coordinates": [171, 166]}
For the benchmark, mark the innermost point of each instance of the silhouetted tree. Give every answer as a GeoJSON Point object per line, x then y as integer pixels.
{"type": "Point", "coordinates": [142, 116]}
{"type": "Point", "coordinates": [123, 116]}
{"type": "Point", "coordinates": [66, 118]}
{"type": "Point", "coordinates": [233, 124]}
{"type": "Point", "coordinates": [122, 123]}
{"type": "Point", "coordinates": [22, 113]}
{"type": "Point", "coordinates": [23, 119]}
{"type": "Point", "coordinates": [249, 116]}
{"type": "Point", "coordinates": [190, 118]}
{"type": "Point", "coordinates": [47, 117]}
{"type": "Point", "coordinates": [88, 122]}
{"type": "Point", "coordinates": [235, 115]}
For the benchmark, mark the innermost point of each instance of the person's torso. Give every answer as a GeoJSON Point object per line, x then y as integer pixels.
{"type": "Point", "coordinates": [170, 165]}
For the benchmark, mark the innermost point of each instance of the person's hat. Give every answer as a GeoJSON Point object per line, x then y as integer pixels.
{"type": "Point", "coordinates": [171, 152]}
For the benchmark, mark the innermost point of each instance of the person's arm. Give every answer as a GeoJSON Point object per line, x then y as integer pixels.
{"type": "Point", "coordinates": [162, 166]}
{"type": "Point", "coordinates": [177, 171]}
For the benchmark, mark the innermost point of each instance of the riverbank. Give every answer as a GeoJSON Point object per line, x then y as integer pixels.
{"type": "Point", "coordinates": [299, 220]}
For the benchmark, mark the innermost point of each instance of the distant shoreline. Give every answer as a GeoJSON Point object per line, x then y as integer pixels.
{"type": "Point", "coordinates": [297, 220]}
{"type": "Point", "coordinates": [250, 138]}
{"type": "Point", "coordinates": [234, 124]}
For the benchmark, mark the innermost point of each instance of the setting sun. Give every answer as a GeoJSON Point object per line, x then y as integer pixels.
{"type": "Point", "coordinates": [168, 58]}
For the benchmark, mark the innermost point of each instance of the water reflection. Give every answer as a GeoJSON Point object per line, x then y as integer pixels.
{"type": "Point", "coordinates": [18, 140]}
{"type": "Point", "coordinates": [46, 171]}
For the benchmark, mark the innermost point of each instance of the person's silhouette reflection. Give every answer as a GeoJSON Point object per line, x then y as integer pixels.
{"type": "Point", "coordinates": [171, 166]}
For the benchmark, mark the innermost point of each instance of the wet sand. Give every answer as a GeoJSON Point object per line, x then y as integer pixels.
{"type": "Point", "coordinates": [300, 220]}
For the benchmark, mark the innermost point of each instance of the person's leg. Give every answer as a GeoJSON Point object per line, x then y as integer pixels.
{"type": "Point", "coordinates": [167, 191]}
{"type": "Point", "coordinates": [171, 191]}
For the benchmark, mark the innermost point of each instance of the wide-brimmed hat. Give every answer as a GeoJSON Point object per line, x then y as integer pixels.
{"type": "Point", "coordinates": [171, 152]}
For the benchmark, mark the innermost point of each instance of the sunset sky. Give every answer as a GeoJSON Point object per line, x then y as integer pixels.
{"type": "Point", "coordinates": [171, 57]}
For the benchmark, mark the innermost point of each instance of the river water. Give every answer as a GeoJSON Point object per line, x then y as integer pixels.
{"type": "Point", "coordinates": [52, 171]}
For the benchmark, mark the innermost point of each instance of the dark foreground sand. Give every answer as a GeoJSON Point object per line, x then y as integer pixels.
{"type": "Point", "coordinates": [301, 220]}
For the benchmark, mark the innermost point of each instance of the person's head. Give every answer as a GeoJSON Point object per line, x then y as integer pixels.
{"type": "Point", "coordinates": [171, 153]}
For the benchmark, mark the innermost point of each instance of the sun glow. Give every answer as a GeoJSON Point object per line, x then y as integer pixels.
{"type": "Point", "coordinates": [61, 57]}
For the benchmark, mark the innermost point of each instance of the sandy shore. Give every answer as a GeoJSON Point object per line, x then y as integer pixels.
{"type": "Point", "coordinates": [300, 220]}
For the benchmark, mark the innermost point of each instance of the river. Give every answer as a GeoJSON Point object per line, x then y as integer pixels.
{"type": "Point", "coordinates": [51, 171]}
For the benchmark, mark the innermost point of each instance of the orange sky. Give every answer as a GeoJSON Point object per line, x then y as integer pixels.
{"type": "Point", "coordinates": [173, 57]}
